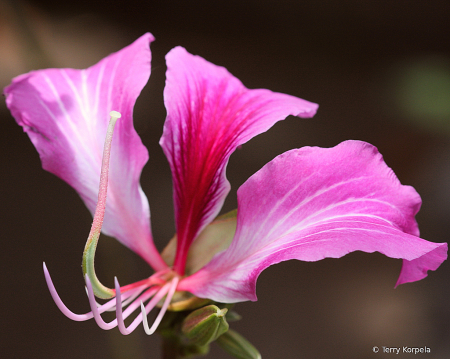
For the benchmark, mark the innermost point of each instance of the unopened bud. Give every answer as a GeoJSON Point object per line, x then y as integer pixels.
{"type": "Point", "coordinates": [236, 345]}
{"type": "Point", "coordinates": [205, 325]}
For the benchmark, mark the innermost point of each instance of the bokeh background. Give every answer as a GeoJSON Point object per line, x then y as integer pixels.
{"type": "Point", "coordinates": [380, 71]}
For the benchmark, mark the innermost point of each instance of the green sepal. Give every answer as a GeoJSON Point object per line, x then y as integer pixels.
{"type": "Point", "coordinates": [182, 302]}
{"type": "Point", "coordinates": [215, 237]}
{"type": "Point", "coordinates": [205, 325]}
{"type": "Point", "coordinates": [230, 214]}
{"type": "Point", "coordinates": [232, 316]}
{"type": "Point", "coordinates": [236, 345]}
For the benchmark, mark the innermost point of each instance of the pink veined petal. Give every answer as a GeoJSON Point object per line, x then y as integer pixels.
{"type": "Point", "coordinates": [65, 112]}
{"type": "Point", "coordinates": [314, 203]}
{"type": "Point", "coordinates": [209, 114]}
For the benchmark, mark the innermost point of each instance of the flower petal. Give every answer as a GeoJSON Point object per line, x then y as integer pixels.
{"type": "Point", "coordinates": [209, 114]}
{"type": "Point", "coordinates": [66, 112]}
{"type": "Point", "coordinates": [313, 203]}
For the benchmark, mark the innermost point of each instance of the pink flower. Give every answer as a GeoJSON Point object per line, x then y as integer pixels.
{"type": "Point", "coordinates": [308, 204]}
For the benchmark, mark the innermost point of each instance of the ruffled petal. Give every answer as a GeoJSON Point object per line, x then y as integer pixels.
{"type": "Point", "coordinates": [65, 112]}
{"type": "Point", "coordinates": [314, 203]}
{"type": "Point", "coordinates": [209, 114]}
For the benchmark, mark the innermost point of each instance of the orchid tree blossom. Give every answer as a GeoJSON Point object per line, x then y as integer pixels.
{"type": "Point", "coordinates": [307, 204]}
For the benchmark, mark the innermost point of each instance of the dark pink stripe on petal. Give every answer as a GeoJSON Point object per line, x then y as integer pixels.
{"type": "Point", "coordinates": [209, 114]}
{"type": "Point", "coordinates": [314, 203]}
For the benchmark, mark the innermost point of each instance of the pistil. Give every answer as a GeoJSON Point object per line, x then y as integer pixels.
{"type": "Point", "coordinates": [91, 245]}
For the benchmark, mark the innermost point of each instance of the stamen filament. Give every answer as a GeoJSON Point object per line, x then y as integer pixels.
{"type": "Point", "coordinates": [144, 297]}
{"type": "Point", "coordinates": [133, 298]}
{"type": "Point", "coordinates": [171, 292]}
{"type": "Point", "coordinates": [99, 320]}
{"type": "Point", "coordinates": [91, 245]}
{"type": "Point", "coordinates": [66, 311]}
{"type": "Point", "coordinates": [132, 293]}
{"type": "Point", "coordinates": [121, 316]}
{"type": "Point", "coordinates": [155, 300]}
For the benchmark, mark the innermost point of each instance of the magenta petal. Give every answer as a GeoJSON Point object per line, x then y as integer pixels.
{"type": "Point", "coordinates": [314, 203]}
{"type": "Point", "coordinates": [66, 112]}
{"type": "Point", "coordinates": [209, 114]}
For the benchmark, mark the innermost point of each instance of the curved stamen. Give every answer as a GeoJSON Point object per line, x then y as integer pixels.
{"type": "Point", "coordinates": [121, 300]}
{"type": "Point", "coordinates": [119, 321]}
{"type": "Point", "coordinates": [133, 290]}
{"type": "Point", "coordinates": [112, 324]}
{"type": "Point", "coordinates": [66, 311]}
{"type": "Point", "coordinates": [125, 301]}
{"type": "Point", "coordinates": [144, 297]}
{"type": "Point", "coordinates": [171, 292]}
{"type": "Point", "coordinates": [132, 294]}
{"type": "Point", "coordinates": [120, 318]}
{"type": "Point", "coordinates": [89, 251]}
{"type": "Point", "coordinates": [99, 320]}
{"type": "Point", "coordinates": [97, 309]}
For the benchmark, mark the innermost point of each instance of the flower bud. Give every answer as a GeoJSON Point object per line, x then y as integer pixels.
{"type": "Point", "coordinates": [205, 325]}
{"type": "Point", "coordinates": [236, 345]}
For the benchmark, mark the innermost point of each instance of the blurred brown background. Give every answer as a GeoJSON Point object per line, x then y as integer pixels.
{"type": "Point", "coordinates": [380, 71]}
